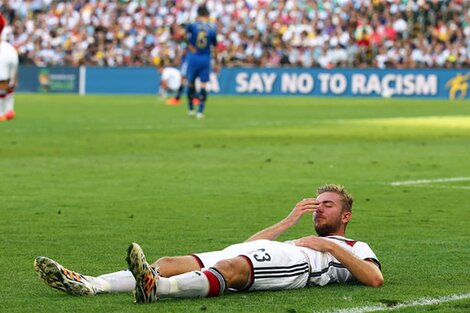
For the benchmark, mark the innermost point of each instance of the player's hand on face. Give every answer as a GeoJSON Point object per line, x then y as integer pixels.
{"type": "Point", "coordinates": [313, 242]}
{"type": "Point", "coordinates": [307, 205]}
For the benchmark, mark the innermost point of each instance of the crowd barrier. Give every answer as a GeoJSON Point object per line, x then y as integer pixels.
{"type": "Point", "coordinates": [422, 83]}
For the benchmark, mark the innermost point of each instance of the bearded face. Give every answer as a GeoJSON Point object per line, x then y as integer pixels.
{"type": "Point", "coordinates": [329, 218]}
{"type": "Point", "coordinates": [325, 226]}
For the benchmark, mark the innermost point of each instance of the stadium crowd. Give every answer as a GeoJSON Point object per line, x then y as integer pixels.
{"type": "Point", "coordinates": [320, 33]}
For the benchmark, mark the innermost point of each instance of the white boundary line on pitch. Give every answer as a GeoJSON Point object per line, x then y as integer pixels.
{"type": "Point", "coordinates": [428, 181]}
{"type": "Point", "coordinates": [406, 304]}
{"type": "Point", "coordinates": [442, 186]}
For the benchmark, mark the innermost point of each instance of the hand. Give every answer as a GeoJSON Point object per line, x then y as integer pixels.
{"type": "Point", "coordinates": [308, 205]}
{"type": "Point", "coordinates": [314, 243]}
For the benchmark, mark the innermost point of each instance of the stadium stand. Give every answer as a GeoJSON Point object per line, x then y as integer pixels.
{"type": "Point", "coordinates": [322, 33]}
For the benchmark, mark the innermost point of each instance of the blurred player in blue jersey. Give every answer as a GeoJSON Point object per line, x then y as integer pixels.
{"type": "Point", "coordinates": [201, 39]}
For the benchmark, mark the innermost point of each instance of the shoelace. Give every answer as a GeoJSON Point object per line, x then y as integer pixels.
{"type": "Point", "coordinates": [71, 275]}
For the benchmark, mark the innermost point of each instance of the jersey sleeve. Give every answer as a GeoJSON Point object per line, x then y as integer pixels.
{"type": "Point", "coordinates": [189, 32]}
{"type": "Point", "coordinates": [364, 252]}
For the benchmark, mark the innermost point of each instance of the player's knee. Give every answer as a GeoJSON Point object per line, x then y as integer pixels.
{"type": "Point", "coordinates": [170, 266]}
{"type": "Point", "coordinates": [166, 265]}
{"type": "Point", "coordinates": [236, 272]}
{"type": "Point", "coordinates": [164, 262]}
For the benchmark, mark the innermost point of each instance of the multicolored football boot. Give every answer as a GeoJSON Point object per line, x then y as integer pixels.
{"type": "Point", "coordinates": [146, 277]}
{"type": "Point", "coordinates": [58, 277]}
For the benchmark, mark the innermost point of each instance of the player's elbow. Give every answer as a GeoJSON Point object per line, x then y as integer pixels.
{"type": "Point", "coordinates": [376, 281]}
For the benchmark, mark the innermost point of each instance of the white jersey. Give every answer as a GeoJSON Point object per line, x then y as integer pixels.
{"type": "Point", "coordinates": [282, 265]}
{"type": "Point", "coordinates": [325, 268]}
{"type": "Point", "coordinates": [172, 76]}
{"type": "Point", "coordinates": [8, 61]}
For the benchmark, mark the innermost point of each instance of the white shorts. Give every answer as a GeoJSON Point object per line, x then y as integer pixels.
{"type": "Point", "coordinates": [275, 265]}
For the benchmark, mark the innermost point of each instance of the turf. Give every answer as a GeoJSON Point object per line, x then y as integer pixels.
{"type": "Point", "coordinates": [82, 177]}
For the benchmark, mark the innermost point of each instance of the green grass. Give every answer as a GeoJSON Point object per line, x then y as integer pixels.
{"type": "Point", "coordinates": [82, 177]}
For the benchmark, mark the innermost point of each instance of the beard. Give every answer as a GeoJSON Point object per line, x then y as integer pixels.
{"type": "Point", "coordinates": [327, 229]}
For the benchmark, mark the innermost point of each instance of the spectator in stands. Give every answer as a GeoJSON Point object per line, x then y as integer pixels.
{"type": "Point", "coordinates": [252, 32]}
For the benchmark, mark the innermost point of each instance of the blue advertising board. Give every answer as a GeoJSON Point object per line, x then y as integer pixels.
{"type": "Point", "coordinates": [122, 80]}
{"type": "Point", "coordinates": [48, 79]}
{"type": "Point", "coordinates": [419, 83]}
{"type": "Point", "coordinates": [424, 83]}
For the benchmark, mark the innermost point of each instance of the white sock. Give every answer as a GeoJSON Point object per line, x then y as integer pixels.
{"type": "Point", "coordinates": [122, 281]}
{"type": "Point", "coordinates": [3, 109]}
{"type": "Point", "coordinates": [187, 285]}
{"type": "Point", "coordinates": [191, 285]}
{"type": "Point", "coordinates": [9, 103]}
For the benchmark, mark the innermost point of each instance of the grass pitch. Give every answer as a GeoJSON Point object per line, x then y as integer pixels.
{"type": "Point", "coordinates": [82, 177]}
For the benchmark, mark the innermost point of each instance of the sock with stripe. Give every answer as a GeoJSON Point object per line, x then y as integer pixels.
{"type": "Point", "coordinates": [207, 283]}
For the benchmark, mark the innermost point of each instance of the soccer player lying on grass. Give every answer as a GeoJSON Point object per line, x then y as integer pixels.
{"type": "Point", "coordinates": [260, 263]}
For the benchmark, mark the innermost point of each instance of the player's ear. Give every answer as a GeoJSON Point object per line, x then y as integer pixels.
{"type": "Point", "coordinates": [346, 217]}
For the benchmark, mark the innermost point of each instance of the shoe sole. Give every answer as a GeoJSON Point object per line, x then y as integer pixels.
{"type": "Point", "coordinates": [51, 273]}
{"type": "Point", "coordinates": [140, 269]}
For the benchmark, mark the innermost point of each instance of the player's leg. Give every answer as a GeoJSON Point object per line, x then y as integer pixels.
{"type": "Point", "coordinates": [204, 77]}
{"type": "Point", "coordinates": [176, 99]}
{"type": "Point", "coordinates": [256, 265]}
{"type": "Point", "coordinates": [184, 74]}
{"type": "Point", "coordinates": [57, 276]}
{"type": "Point", "coordinates": [191, 96]}
{"type": "Point", "coordinates": [178, 92]}
{"type": "Point", "coordinates": [233, 273]}
{"type": "Point", "coordinates": [211, 282]}
{"type": "Point", "coordinates": [202, 101]}
{"type": "Point", "coordinates": [191, 75]}
{"type": "Point", "coordinates": [181, 89]}
{"type": "Point", "coordinates": [163, 89]}
{"type": "Point", "coordinates": [171, 266]}
{"type": "Point", "coordinates": [74, 283]}
{"type": "Point", "coordinates": [2, 109]}
{"type": "Point", "coordinates": [9, 106]}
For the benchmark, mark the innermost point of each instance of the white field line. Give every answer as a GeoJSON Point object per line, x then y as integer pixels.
{"type": "Point", "coordinates": [428, 181]}
{"type": "Point", "coordinates": [443, 186]}
{"type": "Point", "coordinates": [407, 304]}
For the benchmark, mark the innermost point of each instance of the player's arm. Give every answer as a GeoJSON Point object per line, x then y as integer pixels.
{"type": "Point", "coordinates": [215, 62]}
{"type": "Point", "coordinates": [215, 55]}
{"type": "Point", "coordinates": [188, 35]}
{"type": "Point", "coordinates": [271, 233]}
{"type": "Point", "coordinates": [366, 272]}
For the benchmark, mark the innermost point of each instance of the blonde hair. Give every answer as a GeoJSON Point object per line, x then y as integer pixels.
{"type": "Point", "coordinates": [346, 197]}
